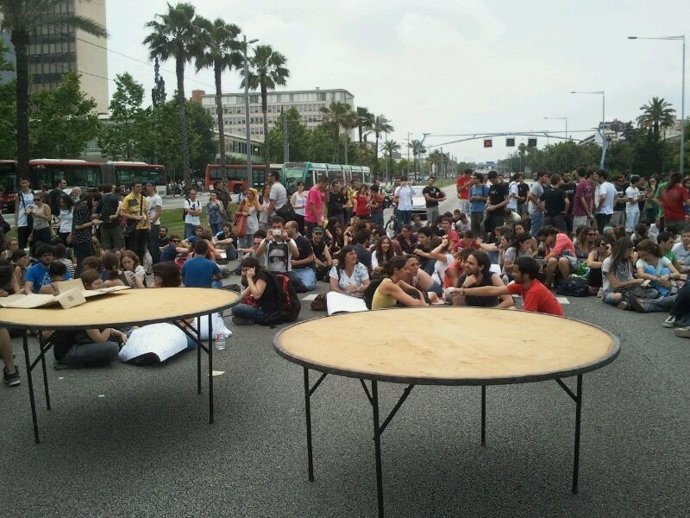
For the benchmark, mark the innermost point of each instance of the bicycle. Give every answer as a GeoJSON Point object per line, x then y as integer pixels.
{"type": "Point", "coordinates": [391, 226]}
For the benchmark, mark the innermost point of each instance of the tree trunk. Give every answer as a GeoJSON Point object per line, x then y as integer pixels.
{"type": "Point", "coordinates": [182, 108]}
{"type": "Point", "coordinates": [336, 154]}
{"type": "Point", "coordinates": [264, 110]}
{"type": "Point", "coordinates": [217, 70]}
{"type": "Point", "coordinates": [376, 155]}
{"type": "Point", "coordinates": [21, 42]}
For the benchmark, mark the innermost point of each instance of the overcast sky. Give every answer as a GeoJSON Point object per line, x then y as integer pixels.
{"type": "Point", "coordinates": [447, 66]}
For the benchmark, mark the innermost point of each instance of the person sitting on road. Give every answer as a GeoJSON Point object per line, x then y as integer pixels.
{"type": "Point", "coordinates": [535, 296]}
{"type": "Point", "coordinates": [259, 297]}
{"type": "Point", "coordinates": [560, 254]}
{"type": "Point", "coordinates": [349, 277]}
{"type": "Point", "coordinates": [595, 260]}
{"type": "Point", "coordinates": [381, 255]}
{"type": "Point", "coordinates": [39, 274]}
{"type": "Point", "coordinates": [322, 255]}
{"type": "Point", "coordinates": [478, 274]}
{"type": "Point", "coordinates": [85, 347]}
{"type": "Point", "coordinates": [10, 372]}
{"type": "Point", "coordinates": [199, 272]}
{"type": "Point", "coordinates": [617, 273]}
{"type": "Point", "coordinates": [396, 288]}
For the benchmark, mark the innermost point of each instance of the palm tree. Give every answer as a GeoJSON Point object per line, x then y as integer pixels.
{"type": "Point", "coordinates": [219, 49]}
{"type": "Point", "coordinates": [390, 147]}
{"type": "Point", "coordinates": [364, 120]}
{"type": "Point", "coordinates": [21, 18]}
{"type": "Point", "coordinates": [175, 36]}
{"type": "Point", "coordinates": [381, 125]}
{"type": "Point", "coordinates": [418, 150]}
{"type": "Point", "coordinates": [338, 115]}
{"type": "Point", "coordinates": [266, 70]}
{"type": "Point", "coordinates": [657, 114]}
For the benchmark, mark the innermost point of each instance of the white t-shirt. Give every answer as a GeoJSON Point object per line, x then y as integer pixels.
{"type": "Point", "coordinates": [24, 201]}
{"type": "Point", "coordinates": [633, 195]}
{"type": "Point", "coordinates": [512, 196]}
{"type": "Point", "coordinates": [188, 218]}
{"type": "Point", "coordinates": [154, 201]}
{"type": "Point", "coordinates": [404, 194]}
{"type": "Point", "coordinates": [359, 275]}
{"type": "Point", "coordinates": [663, 263]}
{"type": "Point", "coordinates": [440, 268]}
{"type": "Point", "coordinates": [682, 255]}
{"type": "Point", "coordinates": [609, 190]}
{"type": "Point", "coordinates": [537, 191]}
{"type": "Point", "coordinates": [623, 273]}
{"type": "Point", "coordinates": [299, 202]}
{"type": "Point", "coordinates": [278, 195]}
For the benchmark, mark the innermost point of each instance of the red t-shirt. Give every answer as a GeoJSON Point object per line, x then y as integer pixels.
{"type": "Point", "coordinates": [672, 199]}
{"type": "Point", "coordinates": [537, 298]}
{"type": "Point", "coordinates": [361, 209]}
{"type": "Point", "coordinates": [314, 210]}
{"type": "Point", "coordinates": [462, 185]}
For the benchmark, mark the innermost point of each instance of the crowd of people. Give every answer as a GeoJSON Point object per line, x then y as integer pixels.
{"type": "Point", "coordinates": [625, 241]}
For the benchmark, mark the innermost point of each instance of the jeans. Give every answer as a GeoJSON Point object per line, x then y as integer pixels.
{"type": "Point", "coordinates": [136, 242]}
{"type": "Point", "coordinates": [153, 244]}
{"type": "Point", "coordinates": [432, 215]}
{"type": "Point", "coordinates": [249, 312]}
{"type": "Point", "coordinates": [404, 216]}
{"type": "Point", "coordinates": [602, 221]}
{"type": "Point", "coordinates": [632, 217]}
{"type": "Point", "coordinates": [658, 305]}
{"type": "Point", "coordinates": [476, 219]}
{"type": "Point", "coordinates": [216, 228]}
{"type": "Point", "coordinates": [307, 276]}
{"type": "Point", "coordinates": [377, 218]}
{"type": "Point", "coordinates": [537, 220]}
{"type": "Point", "coordinates": [188, 230]}
{"type": "Point", "coordinates": [91, 355]}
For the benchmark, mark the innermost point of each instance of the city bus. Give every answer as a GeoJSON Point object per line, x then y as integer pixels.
{"type": "Point", "coordinates": [309, 172]}
{"type": "Point", "coordinates": [124, 173]}
{"type": "Point", "coordinates": [237, 175]}
{"type": "Point", "coordinates": [8, 183]}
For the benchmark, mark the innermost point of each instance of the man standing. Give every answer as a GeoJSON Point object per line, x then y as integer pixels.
{"type": "Point", "coordinates": [496, 206]}
{"type": "Point", "coordinates": [222, 194]}
{"type": "Point", "coordinates": [555, 204]}
{"type": "Point", "coordinates": [135, 210]}
{"type": "Point", "coordinates": [568, 188]}
{"type": "Point", "coordinates": [192, 214]}
{"type": "Point", "coordinates": [606, 201]}
{"type": "Point", "coordinates": [432, 197]}
{"type": "Point", "coordinates": [583, 201]}
{"type": "Point", "coordinates": [462, 184]}
{"type": "Point", "coordinates": [621, 184]}
{"type": "Point", "coordinates": [277, 195]}
{"type": "Point", "coordinates": [54, 196]}
{"type": "Point", "coordinates": [336, 205]}
{"type": "Point", "coordinates": [404, 194]}
{"type": "Point", "coordinates": [478, 196]}
{"type": "Point", "coordinates": [23, 208]}
{"type": "Point", "coordinates": [376, 205]}
{"type": "Point", "coordinates": [514, 193]}
{"type": "Point", "coordinates": [313, 213]}
{"type": "Point", "coordinates": [535, 208]}
{"type": "Point", "coordinates": [111, 231]}
{"type": "Point", "coordinates": [155, 205]}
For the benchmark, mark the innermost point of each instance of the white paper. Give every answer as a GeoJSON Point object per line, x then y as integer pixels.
{"type": "Point", "coordinates": [164, 340]}
{"type": "Point", "coordinates": [340, 303]}
{"type": "Point", "coordinates": [310, 297]}
{"type": "Point", "coordinates": [562, 300]}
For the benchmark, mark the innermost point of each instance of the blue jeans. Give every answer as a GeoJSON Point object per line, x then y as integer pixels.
{"type": "Point", "coordinates": [189, 230]}
{"type": "Point", "coordinates": [216, 228]}
{"type": "Point", "coordinates": [249, 312]}
{"type": "Point", "coordinates": [307, 276]}
{"type": "Point", "coordinates": [377, 218]}
{"type": "Point", "coordinates": [537, 220]}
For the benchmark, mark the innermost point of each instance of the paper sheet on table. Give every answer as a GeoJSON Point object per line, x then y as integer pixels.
{"type": "Point", "coordinates": [340, 303]}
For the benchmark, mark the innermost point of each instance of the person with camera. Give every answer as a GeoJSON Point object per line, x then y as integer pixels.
{"type": "Point", "coordinates": [278, 251]}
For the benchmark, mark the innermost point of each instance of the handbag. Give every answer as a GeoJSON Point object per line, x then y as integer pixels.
{"type": "Point", "coordinates": [286, 212]}
{"type": "Point", "coordinates": [240, 225]}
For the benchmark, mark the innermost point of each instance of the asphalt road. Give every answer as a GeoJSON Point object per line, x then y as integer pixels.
{"type": "Point", "coordinates": [135, 441]}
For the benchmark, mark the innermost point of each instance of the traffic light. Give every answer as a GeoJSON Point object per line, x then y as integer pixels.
{"type": "Point", "coordinates": [532, 142]}
{"type": "Point", "coordinates": [510, 142]}
{"type": "Point", "coordinates": [488, 142]}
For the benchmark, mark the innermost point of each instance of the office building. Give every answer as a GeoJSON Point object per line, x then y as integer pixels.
{"type": "Point", "coordinates": [54, 51]}
{"type": "Point", "coordinates": [307, 102]}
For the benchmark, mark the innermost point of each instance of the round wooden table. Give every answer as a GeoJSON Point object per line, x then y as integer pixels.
{"type": "Point", "coordinates": [122, 309]}
{"type": "Point", "coordinates": [445, 346]}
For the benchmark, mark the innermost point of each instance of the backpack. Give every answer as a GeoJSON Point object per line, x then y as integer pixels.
{"type": "Point", "coordinates": [288, 304]}
{"type": "Point", "coordinates": [370, 290]}
{"type": "Point", "coordinates": [573, 287]}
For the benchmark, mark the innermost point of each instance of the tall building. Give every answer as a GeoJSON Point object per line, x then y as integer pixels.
{"type": "Point", "coordinates": [54, 51]}
{"type": "Point", "coordinates": [307, 102]}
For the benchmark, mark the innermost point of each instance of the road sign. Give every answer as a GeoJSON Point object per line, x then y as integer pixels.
{"type": "Point", "coordinates": [532, 142]}
{"type": "Point", "coordinates": [510, 142]}
{"type": "Point", "coordinates": [488, 142]}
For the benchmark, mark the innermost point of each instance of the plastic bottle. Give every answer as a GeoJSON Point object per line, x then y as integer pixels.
{"type": "Point", "coordinates": [220, 341]}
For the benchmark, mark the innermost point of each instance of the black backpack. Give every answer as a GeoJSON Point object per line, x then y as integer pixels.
{"type": "Point", "coordinates": [288, 304]}
{"type": "Point", "coordinates": [370, 290]}
{"type": "Point", "coordinates": [573, 288]}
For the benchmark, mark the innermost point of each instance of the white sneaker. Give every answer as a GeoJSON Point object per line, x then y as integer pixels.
{"type": "Point", "coordinates": [670, 321]}
{"type": "Point", "coordinates": [683, 332]}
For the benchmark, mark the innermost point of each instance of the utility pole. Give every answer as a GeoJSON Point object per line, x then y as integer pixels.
{"type": "Point", "coordinates": [286, 145]}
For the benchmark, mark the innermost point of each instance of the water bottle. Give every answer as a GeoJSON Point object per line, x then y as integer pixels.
{"type": "Point", "coordinates": [220, 341]}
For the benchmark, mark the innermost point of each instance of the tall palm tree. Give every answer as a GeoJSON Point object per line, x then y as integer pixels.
{"type": "Point", "coordinates": [21, 18]}
{"type": "Point", "coordinates": [390, 147]}
{"type": "Point", "coordinates": [418, 150]}
{"type": "Point", "coordinates": [381, 125]}
{"type": "Point", "coordinates": [175, 36]}
{"type": "Point", "coordinates": [338, 115]}
{"type": "Point", "coordinates": [657, 114]}
{"type": "Point", "coordinates": [266, 70]}
{"type": "Point", "coordinates": [364, 121]}
{"type": "Point", "coordinates": [219, 49]}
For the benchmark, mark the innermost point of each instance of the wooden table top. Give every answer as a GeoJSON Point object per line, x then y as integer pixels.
{"type": "Point", "coordinates": [127, 307]}
{"type": "Point", "coordinates": [448, 346]}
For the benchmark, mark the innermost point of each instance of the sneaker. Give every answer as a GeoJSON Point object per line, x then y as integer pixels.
{"type": "Point", "coordinates": [622, 305]}
{"type": "Point", "coordinates": [683, 332]}
{"type": "Point", "coordinates": [11, 379]}
{"type": "Point", "coordinates": [240, 321]}
{"type": "Point", "coordinates": [670, 321]}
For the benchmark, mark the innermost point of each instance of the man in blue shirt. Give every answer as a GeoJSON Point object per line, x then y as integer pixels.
{"type": "Point", "coordinates": [199, 272]}
{"type": "Point", "coordinates": [39, 274]}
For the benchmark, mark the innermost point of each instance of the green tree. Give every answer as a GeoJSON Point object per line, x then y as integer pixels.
{"type": "Point", "coordinates": [63, 120]}
{"type": "Point", "coordinates": [389, 148]}
{"type": "Point", "coordinates": [8, 109]}
{"type": "Point", "coordinates": [120, 138]}
{"type": "Point", "coordinates": [418, 150]}
{"type": "Point", "coordinates": [337, 116]}
{"type": "Point", "coordinates": [320, 144]}
{"type": "Point", "coordinates": [381, 125]}
{"type": "Point", "coordinates": [657, 114]}
{"type": "Point", "coordinates": [174, 36]}
{"type": "Point", "coordinates": [364, 120]}
{"type": "Point", "coordinates": [219, 49]}
{"type": "Point", "coordinates": [21, 19]}
{"type": "Point", "coordinates": [266, 70]}
{"type": "Point", "coordinates": [297, 138]}
{"type": "Point", "coordinates": [158, 94]}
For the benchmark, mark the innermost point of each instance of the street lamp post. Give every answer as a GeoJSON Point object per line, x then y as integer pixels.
{"type": "Point", "coordinates": [245, 48]}
{"type": "Point", "coordinates": [680, 38]}
{"type": "Point", "coordinates": [604, 144]}
{"type": "Point", "coordinates": [560, 119]}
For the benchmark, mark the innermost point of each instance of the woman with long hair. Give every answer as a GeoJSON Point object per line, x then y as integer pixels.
{"type": "Point", "coordinates": [251, 209]}
{"type": "Point", "coordinates": [617, 273]}
{"type": "Point", "coordinates": [674, 199]}
{"type": "Point", "coordinates": [396, 288]}
{"type": "Point", "coordinates": [66, 205]}
{"type": "Point", "coordinates": [42, 216]}
{"type": "Point", "coordinates": [216, 213]}
{"type": "Point", "coordinates": [298, 200]}
{"type": "Point", "coordinates": [584, 242]}
{"type": "Point", "coordinates": [595, 260]}
{"type": "Point", "coordinates": [657, 269]}
{"type": "Point", "coordinates": [361, 203]}
{"type": "Point", "coordinates": [349, 277]}
{"type": "Point", "coordinates": [134, 274]}
{"type": "Point", "coordinates": [83, 226]}
{"type": "Point", "coordinates": [383, 253]}
{"type": "Point", "coordinates": [265, 202]}
{"type": "Point", "coordinates": [259, 298]}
